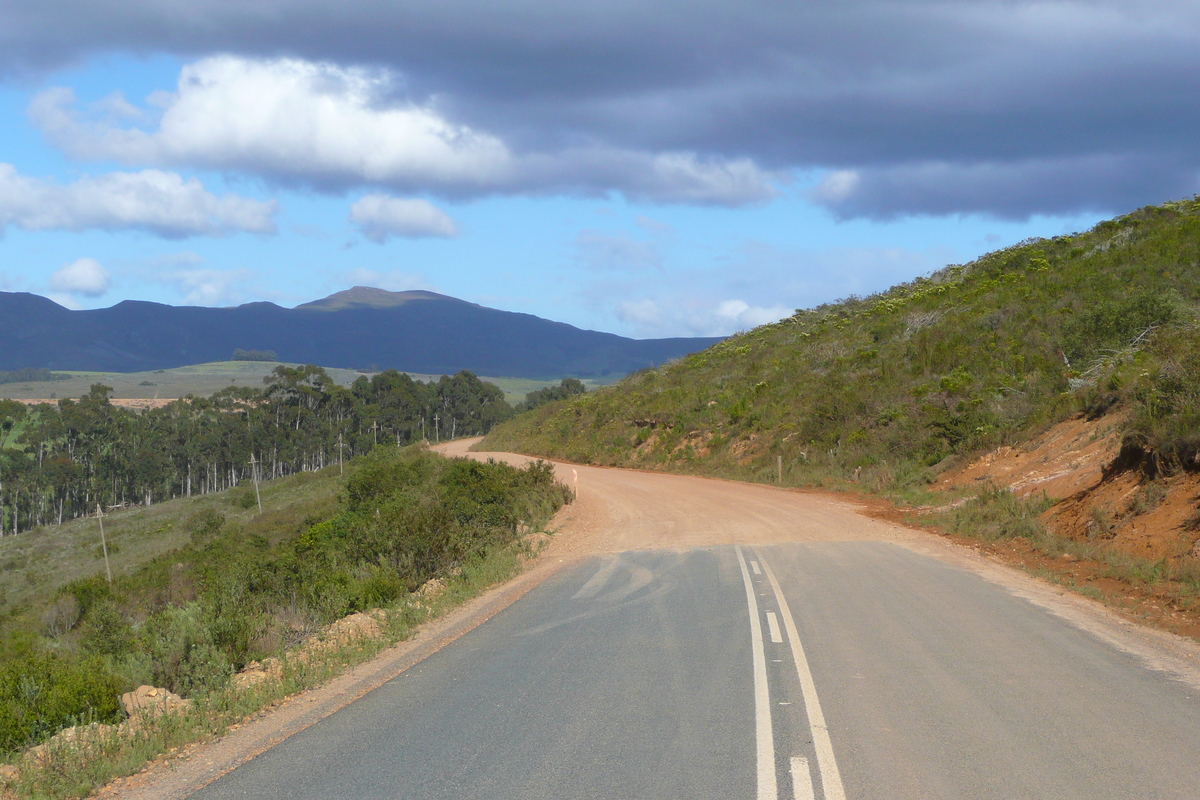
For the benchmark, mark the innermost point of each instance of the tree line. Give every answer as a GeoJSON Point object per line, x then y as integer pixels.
{"type": "Point", "coordinates": [59, 462]}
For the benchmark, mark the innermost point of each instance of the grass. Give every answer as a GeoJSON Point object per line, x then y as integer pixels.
{"type": "Point", "coordinates": [36, 564]}
{"type": "Point", "coordinates": [204, 379]}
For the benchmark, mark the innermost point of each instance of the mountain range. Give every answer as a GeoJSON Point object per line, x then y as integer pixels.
{"type": "Point", "coordinates": [363, 328]}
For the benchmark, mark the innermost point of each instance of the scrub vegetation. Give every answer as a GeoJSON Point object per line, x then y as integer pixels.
{"type": "Point", "coordinates": [241, 587]}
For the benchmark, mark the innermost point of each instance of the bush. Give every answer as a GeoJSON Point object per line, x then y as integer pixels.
{"type": "Point", "coordinates": [41, 693]}
{"type": "Point", "coordinates": [186, 660]}
{"type": "Point", "coordinates": [106, 631]}
{"type": "Point", "coordinates": [203, 524]}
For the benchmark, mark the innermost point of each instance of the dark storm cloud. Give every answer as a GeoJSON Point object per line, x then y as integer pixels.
{"type": "Point", "coordinates": [936, 107]}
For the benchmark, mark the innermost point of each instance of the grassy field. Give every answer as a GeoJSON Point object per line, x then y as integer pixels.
{"type": "Point", "coordinates": [204, 379]}
{"type": "Point", "coordinates": [36, 564]}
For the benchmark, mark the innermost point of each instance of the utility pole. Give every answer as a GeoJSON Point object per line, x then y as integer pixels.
{"type": "Point", "coordinates": [341, 469]}
{"type": "Point", "coordinates": [103, 543]}
{"type": "Point", "coordinates": [779, 470]}
{"type": "Point", "coordinates": [375, 430]}
{"type": "Point", "coordinates": [437, 436]}
{"type": "Point", "coordinates": [254, 473]}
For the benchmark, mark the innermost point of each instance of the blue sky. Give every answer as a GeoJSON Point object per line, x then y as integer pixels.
{"type": "Point", "coordinates": [593, 173]}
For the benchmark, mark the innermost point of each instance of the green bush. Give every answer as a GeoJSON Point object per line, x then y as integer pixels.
{"type": "Point", "coordinates": [43, 692]}
{"type": "Point", "coordinates": [204, 524]}
{"type": "Point", "coordinates": [996, 513]}
{"type": "Point", "coordinates": [106, 631]}
{"type": "Point", "coordinates": [186, 660]}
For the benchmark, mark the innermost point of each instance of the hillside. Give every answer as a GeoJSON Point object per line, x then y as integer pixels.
{"type": "Point", "coordinates": [890, 387]}
{"type": "Point", "coordinates": [418, 332]}
{"type": "Point", "coordinates": [1044, 398]}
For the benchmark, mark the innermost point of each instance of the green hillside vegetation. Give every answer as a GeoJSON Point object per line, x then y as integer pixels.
{"type": "Point", "coordinates": [893, 387]}
{"type": "Point", "coordinates": [203, 586]}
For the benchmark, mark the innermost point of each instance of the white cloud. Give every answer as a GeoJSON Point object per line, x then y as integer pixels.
{"type": "Point", "coordinates": [694, 316]}
{"type": "Point", "coordinates": [85, 277]}
{"type": "Point", "coordinates": [287, 117]}
{"type": "Point", "coordinates": [65, 300]}
{"type": "Point", "coordinates": [162, 203]}
{"type": "Point", "coordinates": [379, 217]}
{"type": "Point", "coordinates": [335, 127]}
{"type": "Point", "coordinates": [836, 187]}
{"type": "Point", "coordinates": [745, 316]}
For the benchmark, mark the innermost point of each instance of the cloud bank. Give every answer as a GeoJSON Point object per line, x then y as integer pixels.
{"type": "Point", "coordinates": [334, 128]}
{"type": "Point", "coordinates": [1019, 101]}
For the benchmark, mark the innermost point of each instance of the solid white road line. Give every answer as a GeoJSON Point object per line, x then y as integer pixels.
{"type": "Point", "coordinates": [802, 785]}
{"type": "Point", "coordinates": [773, 627]}
{"type": "Point", "coordinates": [764, 733]}
{"type": "Point", "coordinates": [754, 566]}
{"type": "Point", "coordinates": [831, 778]}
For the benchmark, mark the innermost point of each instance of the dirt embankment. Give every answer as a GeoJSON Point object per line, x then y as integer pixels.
{"type": "Point", "coordinates": [1072, 464]}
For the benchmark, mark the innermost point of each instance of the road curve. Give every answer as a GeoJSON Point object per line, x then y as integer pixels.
{"type": "Point", "coordinates": [708, 639]}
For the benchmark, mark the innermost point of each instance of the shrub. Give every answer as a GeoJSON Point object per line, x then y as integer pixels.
{"type": "Point", "coordinates": [181, 645]}
{"type": "Point", "coordinates": [204, 524]}
{"type": "Point", "coordinates": [106, 631]}
{"type": "Point", "coordinates": [42, 692]}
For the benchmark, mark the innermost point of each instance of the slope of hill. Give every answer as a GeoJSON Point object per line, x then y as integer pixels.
{"type": "Point", "coordinates": [1044, 398]}
{"type": "Point", "coordinates": [889, 389]}
{"type": "Point", "coordinates": [419, 332]}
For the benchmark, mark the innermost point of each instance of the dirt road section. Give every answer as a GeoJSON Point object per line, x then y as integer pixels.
{"type": "Point", "coordinates": [617, 510]}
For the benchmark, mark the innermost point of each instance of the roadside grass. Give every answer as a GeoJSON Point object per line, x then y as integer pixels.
{"type": "Point", "coordinates": [73, 771]}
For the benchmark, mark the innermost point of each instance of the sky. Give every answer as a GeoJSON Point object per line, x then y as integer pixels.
{"type": "Point", "coordinates": [649, 169]}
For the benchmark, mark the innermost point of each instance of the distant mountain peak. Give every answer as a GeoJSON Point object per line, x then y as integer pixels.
{"type": "Point", "coordinates": [371, 297]}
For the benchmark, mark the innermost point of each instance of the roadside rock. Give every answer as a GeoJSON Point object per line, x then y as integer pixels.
{"type": "Point", "coordinates": [256, 672]}
{"type": "Point", "coordinates": [150, 699]}
{"type": "Point", "coordinates": [344, 631]}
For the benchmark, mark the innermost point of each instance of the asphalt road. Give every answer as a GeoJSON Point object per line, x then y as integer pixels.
{"type": "Point", "coordinates": [857, 669]}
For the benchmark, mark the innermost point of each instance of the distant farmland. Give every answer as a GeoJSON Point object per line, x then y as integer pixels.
{"type": "Point", "coordinates": [204, 379]}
